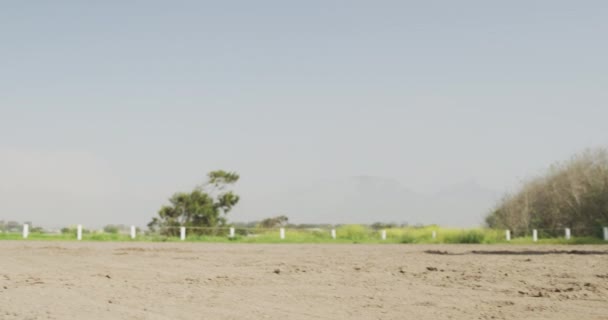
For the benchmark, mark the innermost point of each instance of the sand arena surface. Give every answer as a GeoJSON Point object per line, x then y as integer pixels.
{"type": "Point", "coordinates": [88, 280]}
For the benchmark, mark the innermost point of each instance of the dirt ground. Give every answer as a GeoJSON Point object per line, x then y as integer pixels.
{"type": "Point", "coordinates": [86, 280]}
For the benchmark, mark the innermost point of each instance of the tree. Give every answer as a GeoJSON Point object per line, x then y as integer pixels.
{"type": "Point", "coordinates": [112, 229]}
{"type": "Point", "coordinates": [13, 226]}
{"type": "Point", "coordinates": [573, 195]}
{"type": "Point", "coordinates": [383, 225]}
{"type": "Point", "coordinates": [274, 222]}
{"type": "Point", "coordinates": [205, 207]}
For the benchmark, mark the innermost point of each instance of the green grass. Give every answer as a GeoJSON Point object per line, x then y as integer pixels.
{"type": "Point", "coordinates": [36, 236]}
{"type": "Point", "coordinates": [345, 234]}
{"type": "Point", "coordinates": [573, 240]}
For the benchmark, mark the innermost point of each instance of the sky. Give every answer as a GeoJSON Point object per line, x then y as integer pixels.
{"type": "Point", "coordinates": [108, 108]}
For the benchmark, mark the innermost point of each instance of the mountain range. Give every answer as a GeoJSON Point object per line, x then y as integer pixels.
{"type": "Point", "coordinates": [368, 199]}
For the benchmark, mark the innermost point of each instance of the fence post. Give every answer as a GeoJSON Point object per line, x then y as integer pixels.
{"type": "Point", "coordinates": [508, 235]}
{"type": "Point", "coordinates": [182, 233]}
{"type": "Point", "coordinates": [282, 233]}
{"type": "Point", "coordinates": [79, 232]}
{"type": "Point", "coordinates": [26, 230]}
{"type": "Point", "coordinates": [231, 232]}
{"type": "Point", "coordinates": [568, 233]}
{"type": "Point", "coordinates": [434, 234]}
{"type": "Point", "coordinates": [605, 233]}
{"type": "Point", "coordinates": [133, 232]}
{"type": "Point", "coordinates": [383, 234]}
{"type": "Point", "coordinates": [333, 233]}
{"type": "Point", "coordinates": [534, 235]}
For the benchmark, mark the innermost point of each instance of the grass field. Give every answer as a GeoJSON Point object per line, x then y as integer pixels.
{"type": "Point", "coordinates": [345, 234]}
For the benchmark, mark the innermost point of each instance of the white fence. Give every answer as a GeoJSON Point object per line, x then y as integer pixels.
{"type": "Point", "coordinates": [283, 234]}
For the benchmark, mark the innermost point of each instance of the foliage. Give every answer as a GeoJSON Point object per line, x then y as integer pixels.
{"type": "Point", "coordinates": [205, 207]}
{"type": "Point", "coordinates": [112, 229]}
{"type": "Point", "coordinates": [36, 230]}
{"type": "Point", "coordinates": [274, 222]}
{"type": "Point", "coordinates": [573, 194]}
{"type": "Point", "coordinates": [14, 226]}
{"type": "Point", "coordinates": [383, 225]}
{"type": "Point", "coordinates": [221, 179]}
{"type": "Point", "coordinates": [73, 230]}
{"type": "Point", "coordinates": [469, 236]}
{"type": "Point", "coordinates": [309, 226]}
{"type": "Point", "coordinates": [10, 226]}
{"type": "Point", "coordinates": [407, 238]}
{"type": "Point", "coordinates": [355, 232]}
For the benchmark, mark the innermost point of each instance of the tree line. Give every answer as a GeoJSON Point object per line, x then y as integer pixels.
{"type": "Point", "coordinates": [571, 194]}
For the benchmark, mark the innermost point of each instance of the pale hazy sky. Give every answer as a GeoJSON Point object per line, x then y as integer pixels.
{"type": "Point", "coordinates": [106, 109]}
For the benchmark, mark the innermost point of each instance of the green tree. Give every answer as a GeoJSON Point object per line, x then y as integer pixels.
{"type": "Point", "coordinates": [205, 207]}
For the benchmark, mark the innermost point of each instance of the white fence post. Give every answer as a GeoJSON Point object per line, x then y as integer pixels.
{"type": "Point", "coordinates": [534, 235]}
{"type": "Point", "coordinates": [568, 235]}
{"type": "Point", "coordinates": [26, 231]}
{"type": "Point", "coordinates": [434, 234]}
{"type": "Point", "coordinates": [383, 234]}
{"type": "Point", "coordinates": [605, 233]}
{"type": "Point", "coordinates": [333, 233]}
{"type": "Point", "coordinates": [182, 233]}
{"type": "Point", "coordinates": [508, 235]}
{"type": "Point", "coordinates": [79, 232]}
{"type": "Point", "coordinates": [133, 232]}
{"type": "Point", "coordinates": [282, 233]}
{"type": "Point", "coordinates": [231, 232]}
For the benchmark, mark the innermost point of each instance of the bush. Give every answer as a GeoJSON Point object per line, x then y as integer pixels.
{"type": "Point", "coordinates": [573, 194]}
{"type": "Point", "coordinates": [407, 238]}
{"type": "Point", "coordinates": [354, 232]}
{"type": "Point", "coordinates": [471, 236]}
{"type": "Point", "coordinates": [111, 229]}
{"type": "Point", "coordinates": [73, 231]}
{"type": "Point", "coordinates": [383, 225]}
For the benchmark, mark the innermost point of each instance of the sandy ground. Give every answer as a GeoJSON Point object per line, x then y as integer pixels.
{"type": "Point", "coordinates": [69, 280]}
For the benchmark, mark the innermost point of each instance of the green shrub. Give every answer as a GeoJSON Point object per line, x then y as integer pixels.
{"type": "Point", "coordinates": [73, 231]}
{"type": "Point", "coordinates": [407, 238]}
{"type": "Point", "coordinates": [111, 229]}
{"type": "Point", "coordinates": [354, 232]}
{"type": "Point", "coordinates": [470, 236]}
